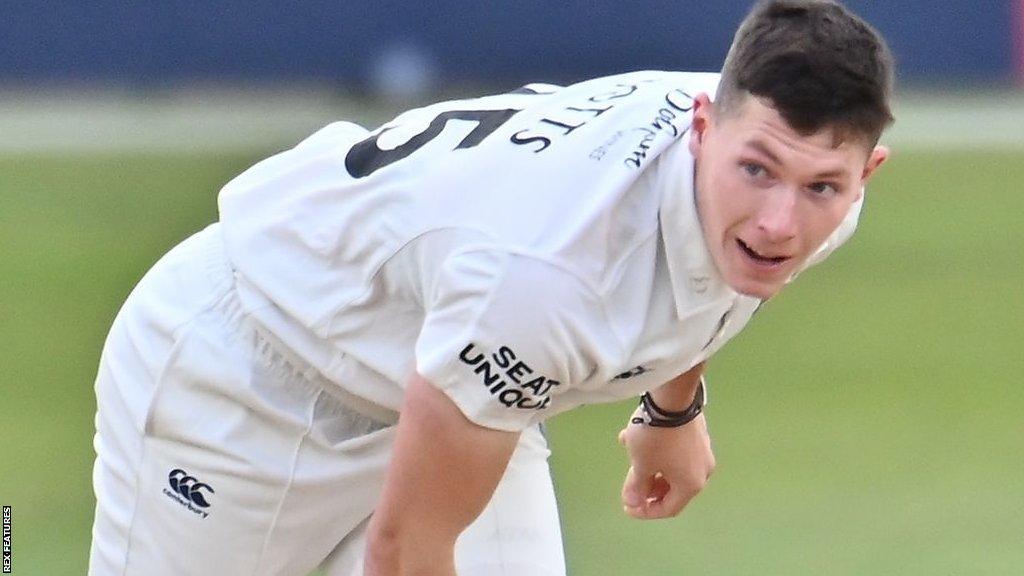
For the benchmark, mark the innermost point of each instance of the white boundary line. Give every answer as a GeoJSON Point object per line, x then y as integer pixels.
{"type": "Point", "coordinates": [223, 121]}
{"type": "Point", "coordinates": [959, 122]}
{"type": "Point", "coordinates": [168, 122]}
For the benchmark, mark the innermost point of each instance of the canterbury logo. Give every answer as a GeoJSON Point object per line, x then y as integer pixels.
{"type": "Point", "coordinates": [189, 487]}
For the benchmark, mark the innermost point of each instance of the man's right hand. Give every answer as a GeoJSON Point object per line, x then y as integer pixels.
{"type": "Point", "coordinates": [668, 467]}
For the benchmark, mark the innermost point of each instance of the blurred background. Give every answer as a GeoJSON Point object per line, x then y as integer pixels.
{"type": "Point", "coordinates": [868, 422]}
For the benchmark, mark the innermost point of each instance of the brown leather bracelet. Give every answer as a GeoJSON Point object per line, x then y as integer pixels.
{"type": "Point", "coordinates": [653, 415]}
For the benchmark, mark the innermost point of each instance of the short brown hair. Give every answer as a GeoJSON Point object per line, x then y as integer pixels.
{"type": "Point", "coordinates": [817, 63]}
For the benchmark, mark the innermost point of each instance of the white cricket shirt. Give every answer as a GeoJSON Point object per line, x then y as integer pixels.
{"type": "Point", "coordinates": [526, 253]}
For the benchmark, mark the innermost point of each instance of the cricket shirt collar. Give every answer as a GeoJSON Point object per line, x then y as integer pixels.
{"type": "Point", "coordinates": [695, 280]}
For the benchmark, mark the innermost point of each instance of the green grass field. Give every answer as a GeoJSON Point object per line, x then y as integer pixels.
{"type": "Point", "coordinates": [868, 422]}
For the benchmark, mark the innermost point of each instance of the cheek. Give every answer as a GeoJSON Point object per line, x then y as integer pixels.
{"type": "Point", "coordinates": [737, 201]}
{"type": "Point", "coordinates": [715, 210]}
{"type": "Point", "coordinates": [727, 198]}
{"type": "Point", "coordinates": [821, 223]}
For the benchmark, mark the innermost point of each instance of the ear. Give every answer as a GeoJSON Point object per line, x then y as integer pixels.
{"type": "Point", "coordinates": [703, 114]}
{"type": "Point", "coordinates": [878, 157]}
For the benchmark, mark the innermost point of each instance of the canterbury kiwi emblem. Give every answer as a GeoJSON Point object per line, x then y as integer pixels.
{"type": "Point", "coordinates": [189, 487]}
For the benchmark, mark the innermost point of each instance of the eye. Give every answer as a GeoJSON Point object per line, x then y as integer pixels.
{"type": "Point", "coordinates": [824, 188]}
{"type": "Point", "coordinates": [753, 169]}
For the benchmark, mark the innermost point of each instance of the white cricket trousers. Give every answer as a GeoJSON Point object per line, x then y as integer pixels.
{"type": "Point", "coordinates": [219, 454]}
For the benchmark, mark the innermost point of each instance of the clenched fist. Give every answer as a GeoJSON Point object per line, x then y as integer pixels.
{"type": "Point", "coordinates": [668, 467]}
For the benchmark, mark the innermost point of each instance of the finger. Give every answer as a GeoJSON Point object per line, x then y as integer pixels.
{"type": "Point", "coordinates": [652, 505]}
{"type": "Point", "coordinates": [642, 494]}
{"type": "Point", "coordinates": [672, 501]}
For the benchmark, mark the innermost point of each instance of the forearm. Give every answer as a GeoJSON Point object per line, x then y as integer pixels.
{"type": "Point", "coordinates": [678, 393]}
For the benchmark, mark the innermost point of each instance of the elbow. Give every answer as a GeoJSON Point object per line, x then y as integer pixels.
{"type": "Point", "coordinates": [382, 551]}
{"type": "Point", "coordinates": [394, 549]}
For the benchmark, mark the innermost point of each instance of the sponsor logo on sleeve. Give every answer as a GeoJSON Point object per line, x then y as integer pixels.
{"type": "Point", "coordinates": [511, 381]}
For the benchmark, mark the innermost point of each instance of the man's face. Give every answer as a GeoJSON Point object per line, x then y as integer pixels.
{"type": "Point", "coordinates": [767, 196]}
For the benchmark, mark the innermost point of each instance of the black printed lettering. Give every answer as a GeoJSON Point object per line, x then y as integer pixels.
{"type": "Point", "coordinates": [510, 397]}
{"type": "Point", "coordinates": [518, 370]}
{"type": "Point", "coordinates": [489, 377]}
{"type": "Point", "coordinates": [502, 375]}
{"type": "Point", "coordinates": [504, 356]}
{"type": "Point", "coordinates": [465, 358]}
{"type": "Point", "coordinates": [547, 387]}
{"type": "Point", "coordinates": [520, 140]}
{"type": "Point", "coordinates": [569, 119]}
{"type": "Point", "coordinates": [567, 127]}
{"type": "Point", "coordinates": [640, 152]}
{"type": "Point", "coordinates": [595, 111]}
{"type": "Point", "coordinates": [532, 404]}
{"type": "Point", "coordinates": [664, 121]}
{"type": "Point", "coordinates": [536, 384]}
{"type": "Point", "coordinates": [366, 157]}
{"type": "Point", "coordinates": [673, 97]}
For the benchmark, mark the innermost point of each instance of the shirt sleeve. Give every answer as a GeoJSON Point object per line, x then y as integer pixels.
{"type": "Point", "coordinates": [503, 334]}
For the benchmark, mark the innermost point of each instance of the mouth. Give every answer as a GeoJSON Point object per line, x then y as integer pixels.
{"type": "Point", "coordinates": [761, 259]}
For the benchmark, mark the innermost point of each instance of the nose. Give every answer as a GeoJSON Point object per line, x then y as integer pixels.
{"type": "Point", "coordinates": [777, 217]}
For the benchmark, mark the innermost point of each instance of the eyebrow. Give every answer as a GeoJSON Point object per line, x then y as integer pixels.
{"type": "Point", "coordinates": [761, 148]}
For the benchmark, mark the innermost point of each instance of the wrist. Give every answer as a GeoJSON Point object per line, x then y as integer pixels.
{"type": "Point", "coordinates": [676, 395]}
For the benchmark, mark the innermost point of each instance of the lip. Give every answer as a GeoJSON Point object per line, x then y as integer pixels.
{"type": "Point", "coordinates": [758, 260]}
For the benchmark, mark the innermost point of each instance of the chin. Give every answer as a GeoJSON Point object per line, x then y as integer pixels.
{"type": "Point", "coordinates": [756, 288]}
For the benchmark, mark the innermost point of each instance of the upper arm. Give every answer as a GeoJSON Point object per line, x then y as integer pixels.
{"type": "Point", "coordinates": [501, 335]}
{"type": "Point", "coordinates": [443, 471]}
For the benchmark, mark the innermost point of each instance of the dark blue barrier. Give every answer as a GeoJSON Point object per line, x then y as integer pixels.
{"type": "Point", "coordinates": [174, 41]}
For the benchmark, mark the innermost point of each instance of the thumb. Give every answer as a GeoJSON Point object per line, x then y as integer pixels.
{"type": "Point", "coordinates": [635, 490]}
